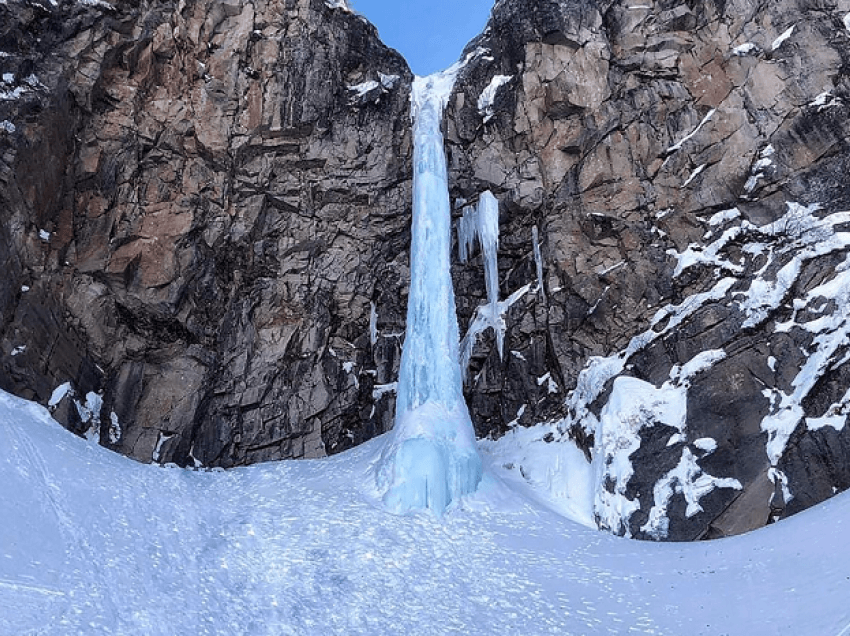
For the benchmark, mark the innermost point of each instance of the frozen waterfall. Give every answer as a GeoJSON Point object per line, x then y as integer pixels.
{"type": "Point", "coordinates": [431, 457]}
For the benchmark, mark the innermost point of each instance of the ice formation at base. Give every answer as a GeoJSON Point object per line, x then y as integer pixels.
{"type": "Point", "coordinates": [431, 458]}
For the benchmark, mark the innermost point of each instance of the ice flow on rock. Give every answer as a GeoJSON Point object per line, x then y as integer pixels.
{"type": "Point", "coordinates": [431, 457]}
{"type": "Point", "coordinates": [481, 223]}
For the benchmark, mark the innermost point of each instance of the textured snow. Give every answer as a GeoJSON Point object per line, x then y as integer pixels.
{"type": "Point", "coordinates": [373, 323]}
{"type": "Point", "coordinates": [15, 93]}
{"type": "Point", "coordinates": [745, 49]}
{"type": "Point", "coordinates": [58, 393]}
{"type": "Point", "coordinates": [7, 126]}
{"type": "Point", "coordinates": [89, 412]}
{"type": "Point", "coordinates": [706, 444]}
{"type": "Point", "coordinates": [696, 365]}
{"type": "Point", "coordinates": [696, 254]}
{"type": "Point", "coordinates": [430, 460]}
{"type": "Point", "coordinates": [380, 390]}
{"type": "Point", "coordinates": [781, 39]}
{"type": "Point", "coordinates": [94, 544]}
{"type": "Point", "coordinates": [777, 477]}
{"type": "Point", "coordinates": [835, 416]}
{"type": "Point", "coordinates": [786, 244]}
{"type": "Point", "coordinates": [690, 135]}
{"type": "Point", "coordinates": [114, 428]}
{"type": "Point", "coordinates": [100, 4]}
{"type": "Point", "coordinates": [551, 385]}
{"type": "Point", "coordinates": [599, 370]}
{"type": "Point", "coordinates": [555, 474]}
{"type": "Point", "coordinates": [825, 100]}
{"type": "Point", "coordinates": [724, 216]}
{"type": "Point", "coordinates": [809, 237]}
{"type": "Point", "coordinates": [338, 4]}
{"type": "Point", "coordinates": [44, 235]}
{"type": "Point", "coordinates": [364, 87]}
{"type": "Point", "coordinates": [847, 22]}
{"type": "Point", "coordinates": [488, 96]}
{"type": "Point", "coordinates": [831, 336]}
{"type": "Point", "coordinates": [697, 171]}
{"type": "Point", "coordinates": [632, 405]}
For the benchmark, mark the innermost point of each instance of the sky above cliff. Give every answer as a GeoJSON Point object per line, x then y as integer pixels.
{"type": "Point", "coordinates": [430, 34]}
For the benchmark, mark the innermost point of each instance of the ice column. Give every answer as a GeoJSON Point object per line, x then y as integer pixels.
{"type": "Point", "coordinates": [538, 261]}
{"type": "Point", "coordinates": [488, 236]}
{"type": "Point", "coordinates": [431, 457]}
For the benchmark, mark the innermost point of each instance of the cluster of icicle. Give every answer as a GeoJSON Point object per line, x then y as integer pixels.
{"type": "Point", "coordinates": [481, 223]}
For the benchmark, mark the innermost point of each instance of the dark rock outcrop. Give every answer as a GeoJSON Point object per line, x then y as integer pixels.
{"type": "Point", "coordinates": [200, 205]}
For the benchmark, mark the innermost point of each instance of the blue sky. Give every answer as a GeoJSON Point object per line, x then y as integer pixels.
{"type": "Point", "coordinates": [430, 34]}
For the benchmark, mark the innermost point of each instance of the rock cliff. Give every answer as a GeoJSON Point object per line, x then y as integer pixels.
{"type": "Point", "coordinates": [205, 226]}
{"type": "Point", "coordinates": [202, 203]}
{"type": "Point", "coordinates": [681, 164]}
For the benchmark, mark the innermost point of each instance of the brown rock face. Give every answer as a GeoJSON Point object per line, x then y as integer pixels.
{"type": "Point", "coordinates": [219, 211]}
{"type": "Point", "coordinates": [625, 128]}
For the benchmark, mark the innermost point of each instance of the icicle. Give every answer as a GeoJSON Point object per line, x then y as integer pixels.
{"type": "Point", "coordinates": [488, 235]}
{"type": "Point", "coordinates": [538, 261]}
{"type": "Point", "coordinates": [431, 458]}
{"type": "Point", "coordinates": [482, 224]}
{"type": "Point", "coordinates": [466, 227]}
{"type": "Point", "coordinates": [373, 323]}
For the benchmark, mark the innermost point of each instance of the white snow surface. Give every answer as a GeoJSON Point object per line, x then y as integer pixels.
{"type": "Point", "coordinates": [538, 260]}
{"type": "Point", "coordinates": [364, 87]}
{"type": "Point", "coordinates": [95, 544]}
{"type": "Point", "coordinates": [688, 479]}
{"type": "Point", "coordinates": [745, 49]}
{"type": "Point", "coordinates": [488, 96]}
{"type": "Point", "coordinates": [7, 126]}
{"type": "Point", "coordinates": [59, 392]}
{"type": "Point", "coordinates": [338, 4]}
{"type": "Point", "coordinates": [691, 134]}
{"type": "Point", "coordinates": [632, 405]}
{"type": "Point", "coordinates": [781, 39]}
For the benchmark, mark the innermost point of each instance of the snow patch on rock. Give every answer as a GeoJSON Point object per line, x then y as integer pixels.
{"type": "Point", "coordinates": [488, 96]}
{"type": "Point", "coordinates": [689, 480]}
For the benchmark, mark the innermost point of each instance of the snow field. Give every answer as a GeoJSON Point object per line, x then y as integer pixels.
{"type": "Point", "coordinates": [94, 543]}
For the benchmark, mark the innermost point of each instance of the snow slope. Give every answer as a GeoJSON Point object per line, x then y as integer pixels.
{"type": "Point", "coordinates": [94, 543]}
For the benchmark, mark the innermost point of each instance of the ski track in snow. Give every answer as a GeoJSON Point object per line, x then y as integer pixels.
{"type": "Point", "coordinates": [94, 543]}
